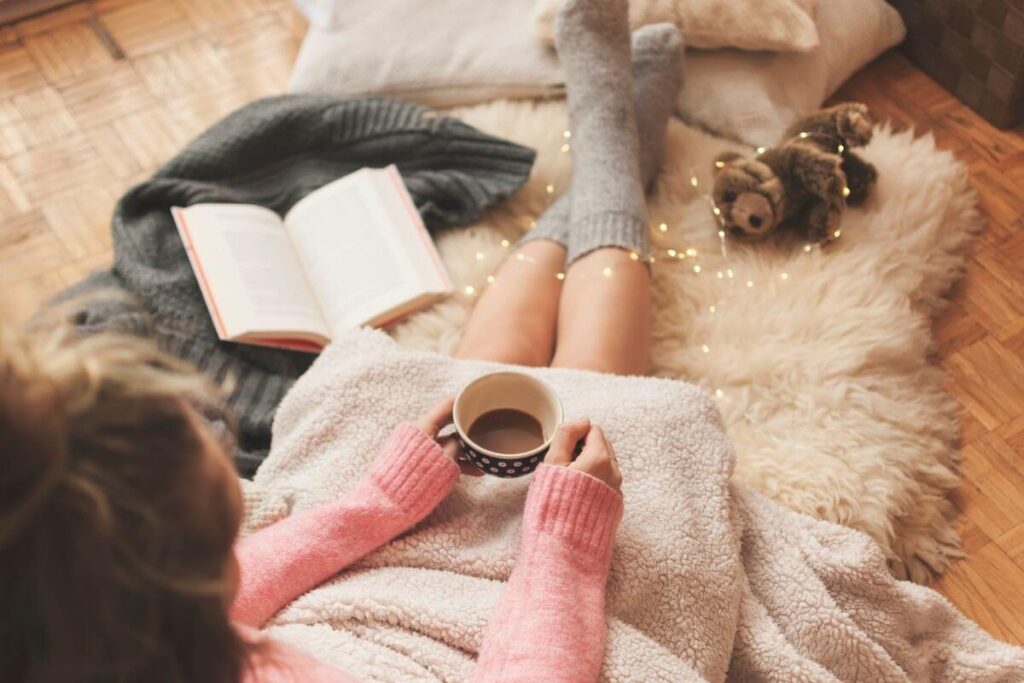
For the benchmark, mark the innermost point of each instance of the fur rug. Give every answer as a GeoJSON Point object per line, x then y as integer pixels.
{"type": "Point", "coordinates": [819, 360]}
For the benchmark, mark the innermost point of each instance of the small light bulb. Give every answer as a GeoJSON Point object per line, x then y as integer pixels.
{"type": "Point", "coordinates": [520, 257]}
{"type": "Point", "coordinates": [567, 134]}
{"type": "Point", "coordinates": [841, 148]}
{"type": "Point", "coordinates": [846, 192]}
{"type": "Point", "coordinates": [663, 227]}
{"type": "Point", "coordinates": [504, 244]}
{"type": "Point", "coordinates": [712, 308]}
{"type": "Point", "coordinates": [804, 135]}
{"type": "Point", "coordinates": [719, 164]}
{"type": "Point", "coordinates": [807, 247]}
{"type": "Point", "coordinates": [750, 283]}
{"type": "Point", "coordinates": [671, 252]}
{"type": "Point", "coordinates": [720, 274]}
{"type": "Point", "coordinates": [691, 252]}
{"type": "Point", "coordinates": [719, 393]}
{"type": "Point", "coordinates": [550, 189]}
{"type": "Point", "coordinates": [490, 279]}
{"type": "Point", "coordinates": [565, 147]}
{"type": "Point", "coordinates": [693, 181]}
{"type": "Point", "coordinates": [560, 276]}
{"type": "Point", "coordinates": [715, 210]}
{"type": "Point", "coordinates": [633, 256]}
{"type": "Point", "coordinates": [696, 269]}
{"type": "Point", "coordinates": [762, 150]}
{"type": "Point", "coordinates": [607, 272]}
{"type": "Point", "coordinates": [704, 348]}
{"type": "Point", "coordinates": [784, 276]}
{"type": "Point", "coordinates": [470, 290]}
{"type": "Point", "coordinates": [721, 233]}
{"type": "Point", "coordinates": [728, 271]}
{"type": "Point", "coordinates": [837, 233]}
{"type": "Point", "coordinates": [479, 256]}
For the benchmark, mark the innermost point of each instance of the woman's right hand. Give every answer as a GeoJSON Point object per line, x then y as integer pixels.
{"type": "Point", "coordinates": [597, 457]}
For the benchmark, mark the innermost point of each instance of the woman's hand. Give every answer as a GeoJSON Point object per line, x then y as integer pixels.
{"type": "Point", "coordinates": [436, 419]}
{"type": "Point", "coordinates": [597, 457]}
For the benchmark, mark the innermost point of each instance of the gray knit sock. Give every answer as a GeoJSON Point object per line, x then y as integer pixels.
{"type": "Point", "coordinates": [592, 38]}
{"type": "Point", "coordinates": [657, 78]}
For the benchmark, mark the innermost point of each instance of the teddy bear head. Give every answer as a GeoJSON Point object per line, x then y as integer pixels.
{"type": "Point", "coordinates": [749, 195]}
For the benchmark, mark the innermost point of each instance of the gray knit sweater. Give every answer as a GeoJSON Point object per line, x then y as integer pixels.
{"type": "Point", "coordinates": [273, 152]}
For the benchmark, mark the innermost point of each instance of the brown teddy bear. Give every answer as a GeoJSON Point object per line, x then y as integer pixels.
{"type": "Point", "coordinates": [802, 185]}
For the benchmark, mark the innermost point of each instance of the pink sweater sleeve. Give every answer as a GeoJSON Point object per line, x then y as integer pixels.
{"type": "Point", "coordinates": [549, 624]}
{"type": "Point", "coordinates": [281, 562]}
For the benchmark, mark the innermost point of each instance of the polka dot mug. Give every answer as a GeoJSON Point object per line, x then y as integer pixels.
{"type": "Point", "coordinates": [506, 390]}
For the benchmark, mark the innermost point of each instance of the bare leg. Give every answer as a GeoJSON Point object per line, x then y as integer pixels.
{"type": "Point", "coordinates": [514, 320]}
{"type": "Point", "coordinates": [604, 320]}
{"type": "Point", "coordinates": [604, 323]}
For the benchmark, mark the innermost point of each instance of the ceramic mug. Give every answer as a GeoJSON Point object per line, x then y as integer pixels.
{"type": "Point", "coordinates": [513, 391]}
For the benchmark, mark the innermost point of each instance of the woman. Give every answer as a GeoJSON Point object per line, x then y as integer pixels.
{"type": "Point", "coordinates": [120, 511]}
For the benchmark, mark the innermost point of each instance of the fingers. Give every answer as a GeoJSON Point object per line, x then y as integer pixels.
{"type": "Point", "coordinates": [469, 469]}
{"type": "Point", "coordinates": [451, 448]}
{"type": "Point", "coordinates": [598, 459]}
{"type": "Point", "coordinates": [564, 442]}
{"type": "Point", "coordinates": [437, 417]}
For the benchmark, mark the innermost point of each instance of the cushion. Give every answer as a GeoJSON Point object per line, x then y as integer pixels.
{"type": "Point", "coordinates": [475, 52]}
{"type": "Point", "coordinates": [439, 53]}
{"type": "Point", "coordinates": [755, 96]}
{"type": "Point", "coordinates": [747, 24]}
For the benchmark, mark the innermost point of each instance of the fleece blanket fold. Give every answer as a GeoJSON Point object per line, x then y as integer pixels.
{"type": "Point", "coordinates": [709, 581]}
{"type": "Point", "coordinates": [273, 152]}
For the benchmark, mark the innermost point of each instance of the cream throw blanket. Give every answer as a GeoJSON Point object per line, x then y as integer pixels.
{"type": "Point", "coordinates": [709, 581]}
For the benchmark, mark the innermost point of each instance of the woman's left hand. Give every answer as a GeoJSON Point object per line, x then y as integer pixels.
{"type": "Point", "coordinates": [436, 419]}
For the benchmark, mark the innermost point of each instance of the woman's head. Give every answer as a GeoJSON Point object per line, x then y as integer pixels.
{"type": "Point", "coordinates": [118, 512]}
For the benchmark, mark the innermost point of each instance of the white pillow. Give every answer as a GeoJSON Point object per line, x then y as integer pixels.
{"type": "Point", "coordinates": [441, 53]}
{"type": "Point", "coordinates": [446, 53]}
{"type": "Point", "coordinates": [746, 24]}
{"type": "Point", "coordinates": [754, 97]}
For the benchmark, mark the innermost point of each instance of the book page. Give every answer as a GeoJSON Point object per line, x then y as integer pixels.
{"type": "Point", "coordinates": [353, 255]}
{"type": "Point", "coordinates": [248, 269]}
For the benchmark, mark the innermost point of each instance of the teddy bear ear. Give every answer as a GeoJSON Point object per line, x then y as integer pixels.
{"type": "Point", "coordinates": [724, 158]}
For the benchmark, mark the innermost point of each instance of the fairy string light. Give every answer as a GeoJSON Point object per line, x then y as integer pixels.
{"type": "Point", "coordinates": [698, 266]}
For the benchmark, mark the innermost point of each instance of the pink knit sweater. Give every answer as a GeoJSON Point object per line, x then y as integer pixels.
{"type": "Point", "coordinates": [547, 626]}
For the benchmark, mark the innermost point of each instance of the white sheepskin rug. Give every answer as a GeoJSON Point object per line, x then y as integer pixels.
{"type": "Point", "coordinates": [819, 359]}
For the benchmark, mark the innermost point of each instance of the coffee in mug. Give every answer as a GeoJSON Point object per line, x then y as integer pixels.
{"type": "Point", "coordinates": [505, 422]}
{"type": "Point", "coordinates": [507, 430]}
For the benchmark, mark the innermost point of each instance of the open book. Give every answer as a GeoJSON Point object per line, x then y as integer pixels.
{"type": "Point", "coordinates": [354, 252]}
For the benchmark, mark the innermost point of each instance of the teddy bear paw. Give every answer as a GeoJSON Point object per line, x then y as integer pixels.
{"type": "Point", "coordinates": [855, 125]}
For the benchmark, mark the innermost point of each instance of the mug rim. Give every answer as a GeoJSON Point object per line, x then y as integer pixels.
{"type": "Point", "coordinates": [464, 435]}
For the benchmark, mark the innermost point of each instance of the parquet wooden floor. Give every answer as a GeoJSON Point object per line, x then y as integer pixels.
{"type": "Point", "coordinates": [96, 95]}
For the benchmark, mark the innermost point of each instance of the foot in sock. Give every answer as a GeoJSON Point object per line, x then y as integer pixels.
{"type": "Point", "coordinates": [592, 38]}
{"type": "Point", "coordinates": [657, 77]}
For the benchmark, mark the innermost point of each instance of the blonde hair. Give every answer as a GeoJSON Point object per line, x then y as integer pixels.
{"type": "Point", "coordinates": [114, 554]}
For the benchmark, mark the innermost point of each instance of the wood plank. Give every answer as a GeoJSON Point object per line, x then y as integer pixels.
{"type": "Point", "coordinates": [191, 65]}
{"type": "Point", "coordinates": [989, 381]}
{"type": "Point", "coordinates": [28, 249]}
{"type": "Point", "coordinates": [989, 588]}
{"type": "Point", "coordinates": [58, 167]}
{"type": "Point", "coordinates": [68, 52]}
{"type": "Point", "coordinates": [18, 72]}
{"type": "Point", "coordinates": [956, 329]}
{"type": "Point", "coordinates": [992, 494]}
{"type": "Point", "coordinates": [143, 26]}
{"type": "Point", "coordinates": [81, 221]}
{"type": "Point", "coordinates": [101, 97]}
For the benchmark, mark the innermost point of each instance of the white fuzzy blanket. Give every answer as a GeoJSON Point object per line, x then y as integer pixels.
{"type": "Point", "coordinates": [708, 580]}
{"type": "Point", "coordinates": [826, 387]}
